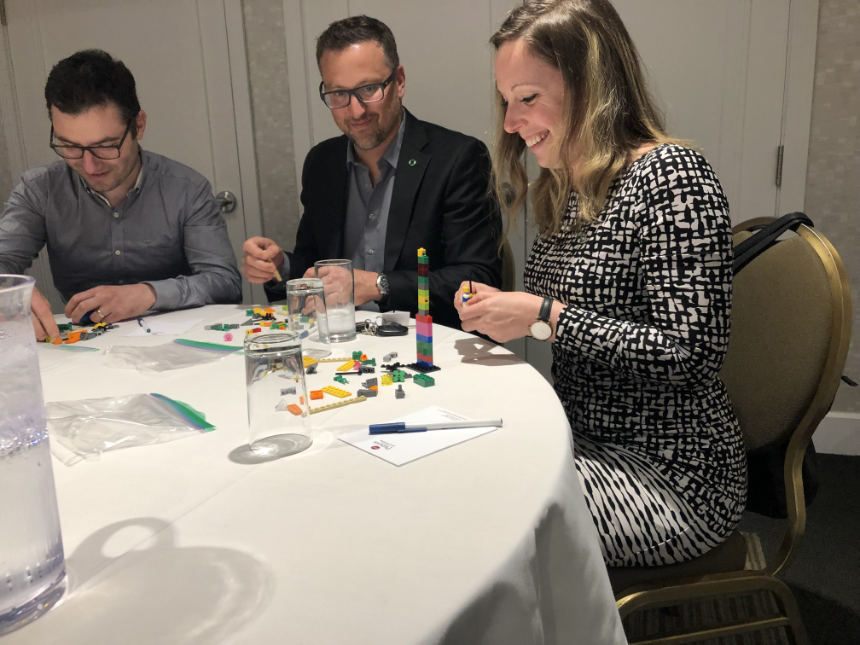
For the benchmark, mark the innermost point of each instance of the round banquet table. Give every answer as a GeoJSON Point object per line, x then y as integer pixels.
{"type": "Point", "coordinates": [485, 542]}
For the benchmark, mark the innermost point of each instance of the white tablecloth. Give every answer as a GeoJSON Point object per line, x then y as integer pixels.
{"type": "Point", "coordinates": [488, 541]}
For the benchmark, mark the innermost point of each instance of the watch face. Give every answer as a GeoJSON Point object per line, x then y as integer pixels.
{"type": "Point", "coordinates": [541, 330]}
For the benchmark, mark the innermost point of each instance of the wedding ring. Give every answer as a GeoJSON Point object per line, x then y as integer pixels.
{"type": "Point", "coordinates": [101, 315]}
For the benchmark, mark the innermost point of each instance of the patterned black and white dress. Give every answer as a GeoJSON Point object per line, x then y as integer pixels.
{"type": "Point", "coordinates": [647, 290]}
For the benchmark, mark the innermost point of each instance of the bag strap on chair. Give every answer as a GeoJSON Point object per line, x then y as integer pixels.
{"type": "Point", "coordinates": [763, 239]}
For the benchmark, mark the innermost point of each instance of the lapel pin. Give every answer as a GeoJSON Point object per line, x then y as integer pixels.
{"type": "Point", "coordinates": [412, 162]}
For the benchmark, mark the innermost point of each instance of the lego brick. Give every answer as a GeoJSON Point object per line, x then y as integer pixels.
{"type": "Point", "coordinates": [424, 380]}
{"type": "Point", "coordinates": [424, 348]}
{"type": "Point", "coordinates": [335, 391]}
{"type": "Point", "coordinates": [399, 393]}
{"type": "Point", "coordinates": [338, 404]}
{"type": "Point", "coordinates": [315, 394]}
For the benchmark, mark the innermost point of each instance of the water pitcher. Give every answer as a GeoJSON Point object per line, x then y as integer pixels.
{"type": "Point", "coordinates": [32, 567]}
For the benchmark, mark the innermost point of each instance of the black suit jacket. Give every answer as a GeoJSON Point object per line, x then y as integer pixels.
{"type": "Point", "coordinates": [441, 201]}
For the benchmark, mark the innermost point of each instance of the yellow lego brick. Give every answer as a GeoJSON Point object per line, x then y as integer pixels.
{"type": "Point", "coordinates": [422, 251]}
{"type": "Point", "coordinates": [387, 379]}
{"type": "Point", "coordinates": [309, 360]}
{"type": "Point", "coordinates": [347, 367]}
{"type": "Point", "coordinates": [335, 391]}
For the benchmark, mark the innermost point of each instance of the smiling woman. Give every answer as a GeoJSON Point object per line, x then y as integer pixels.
{"type": "Point", "coordinates": [629, 279]}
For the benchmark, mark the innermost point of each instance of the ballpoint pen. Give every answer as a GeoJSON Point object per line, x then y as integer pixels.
{"type": "Point", "coordinates": [142, 324]}
{"type": "Point", "coordinates": [400, 426]}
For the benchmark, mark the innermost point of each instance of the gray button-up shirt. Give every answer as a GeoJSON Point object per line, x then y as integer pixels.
{"type": "Point", "coordinates": [367, 208]}
{"type": "Point", "coordinates": [168, 232]}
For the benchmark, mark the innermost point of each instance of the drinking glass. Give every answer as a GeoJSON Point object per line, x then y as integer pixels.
{"type": "Point", "coordinates": [339, 288]}
{"type": "Point", "coordinates": [277, 396]}
{"type": "Point", "coordinates": [31, 547]}
{"type": "Point", "coordinates": [307, 315]}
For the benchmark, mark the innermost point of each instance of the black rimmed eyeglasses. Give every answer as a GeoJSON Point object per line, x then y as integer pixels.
{"type": "Point", "coordinates": [372, 93]}
{"type": "Point", "coordinates": [99, 152]}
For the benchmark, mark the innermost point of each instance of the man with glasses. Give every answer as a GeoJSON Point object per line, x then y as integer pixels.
{"type": "Point", "coordinates": [128, 231]}
{"type": "Point", "coordinates": [391, 185]}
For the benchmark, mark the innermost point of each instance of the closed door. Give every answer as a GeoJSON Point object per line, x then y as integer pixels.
{"type": "Point", "coordinates": [178, 52]}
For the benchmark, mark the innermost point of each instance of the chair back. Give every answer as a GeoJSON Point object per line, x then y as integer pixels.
{"type": "Point", "coordinates": [508, 266]}
{"type": "Point", "coordinates": [790, 330]}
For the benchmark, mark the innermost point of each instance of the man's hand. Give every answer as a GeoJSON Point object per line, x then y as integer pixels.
{"type": "Point", "coordinates": [111, 303]}
{"type": "Point", "coordinates": [44, 324]}
{"type": "Point", "coordinates": [263, 258]}
{"type": "Point", "coordinates": [364, 284]}
{"type": "Point", "coordinates": [365, 287]}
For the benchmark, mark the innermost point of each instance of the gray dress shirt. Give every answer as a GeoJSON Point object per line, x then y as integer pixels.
{"type": "Point", "coordinates": [367, 209]}
{"type": "Point", "coordinates": [168, 232]}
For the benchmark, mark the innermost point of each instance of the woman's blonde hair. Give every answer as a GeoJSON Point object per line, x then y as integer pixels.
{"type": "Point", "coordinates": [608, 110]}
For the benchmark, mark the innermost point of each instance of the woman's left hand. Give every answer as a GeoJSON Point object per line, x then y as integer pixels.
{"type": "Point", "coordinates": [501, 315]}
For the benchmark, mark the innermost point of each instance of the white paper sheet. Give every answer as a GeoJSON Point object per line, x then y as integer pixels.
{"type": "Point", "coordinates": [401, 448]}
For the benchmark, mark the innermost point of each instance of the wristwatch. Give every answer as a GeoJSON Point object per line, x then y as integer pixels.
{"type": "Point", "coordinates": [540, 328]}
{"type": "Point", "coordinates": [382, 285]}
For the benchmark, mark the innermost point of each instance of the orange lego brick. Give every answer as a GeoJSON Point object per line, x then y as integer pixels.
{"type": "Point", "coordinates": [316, 394]}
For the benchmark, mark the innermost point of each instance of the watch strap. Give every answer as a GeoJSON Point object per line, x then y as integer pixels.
{"type": "Point", "coordinates": [545, 309]}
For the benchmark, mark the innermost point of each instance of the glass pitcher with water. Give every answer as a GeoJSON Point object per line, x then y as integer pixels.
{"type": "Point", "coordinates": [32, 567]}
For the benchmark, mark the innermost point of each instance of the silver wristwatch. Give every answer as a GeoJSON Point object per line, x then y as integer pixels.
{"type": "Point", "coordinates": [540, 329]}
{"type": "Point", "coordinates": [382, 285]}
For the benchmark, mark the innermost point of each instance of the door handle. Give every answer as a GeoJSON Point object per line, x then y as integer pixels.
{"type": "Point", "coordinates": [226, 201]}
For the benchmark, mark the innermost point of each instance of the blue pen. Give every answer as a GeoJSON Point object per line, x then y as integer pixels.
{"type": "Point", "coordinates": [141, 323]}
{"type": "Point", "coordinates": [400, 426]}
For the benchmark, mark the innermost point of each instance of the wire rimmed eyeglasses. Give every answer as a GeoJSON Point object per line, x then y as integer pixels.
{"type": "Point", "coordinates": [99, 152]}
{"type": "Point", "coordinates": [372, 93]}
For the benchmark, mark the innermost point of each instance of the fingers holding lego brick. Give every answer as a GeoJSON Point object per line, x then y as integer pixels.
{"type": "Point", "coordinates": [262, 259]}
{"type": "Point", "coordinates": [44, 325]}
{"type": "Point", "coordinates": [502, 316]}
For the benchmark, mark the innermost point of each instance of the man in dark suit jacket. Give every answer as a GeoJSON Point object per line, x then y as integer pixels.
{"type": "Point", "coordinates": [391, 185]}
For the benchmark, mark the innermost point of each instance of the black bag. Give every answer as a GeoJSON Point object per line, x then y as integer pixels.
{"type": "Point", "coordinates": [765, 480]}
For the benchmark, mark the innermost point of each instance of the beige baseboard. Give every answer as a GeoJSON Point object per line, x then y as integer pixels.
{"type": "Point", "coordinates": [838, 433]}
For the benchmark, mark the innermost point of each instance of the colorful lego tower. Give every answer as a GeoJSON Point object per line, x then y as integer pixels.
{"type": "Point", "coordinates": [423, 320]}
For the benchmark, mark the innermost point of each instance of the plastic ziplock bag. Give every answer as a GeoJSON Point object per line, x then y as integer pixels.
{"type": "Point", "coordinates": [168, 356]}
{"type": "Point", "coordinates": [89, 427]}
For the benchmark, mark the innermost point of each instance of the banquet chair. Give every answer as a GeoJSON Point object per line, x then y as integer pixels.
{"type": "Point", "coordinates": [790, 330]}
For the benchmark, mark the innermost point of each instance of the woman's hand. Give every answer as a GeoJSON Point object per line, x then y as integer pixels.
{"type": "Point", "coordinates": [501, 315]}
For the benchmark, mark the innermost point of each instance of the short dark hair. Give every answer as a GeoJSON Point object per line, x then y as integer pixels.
{"type": "Point", "coordinates": [358, 29]}
{"type": "Point", "coordinates": [90, 78]}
